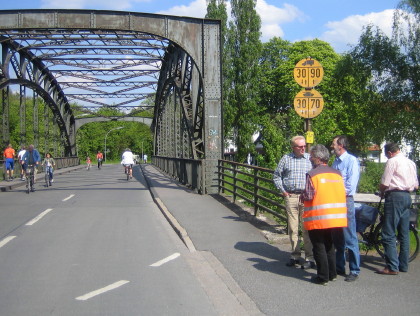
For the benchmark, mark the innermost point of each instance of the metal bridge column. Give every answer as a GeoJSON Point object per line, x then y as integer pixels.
{"type": "Point", "coordinates": [22, 114]}
{"type": "Point", "coordinates": [46, 130]}
{"type": "Point", "coordinates": [35, 119]}
{"type": "Point", "coordinates": [5, 115]}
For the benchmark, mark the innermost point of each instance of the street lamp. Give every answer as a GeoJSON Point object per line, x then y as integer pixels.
{"type": "Point", "coordinates": [112, 129]}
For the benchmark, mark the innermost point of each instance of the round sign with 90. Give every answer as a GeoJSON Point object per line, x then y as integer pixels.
{"type": "Point", "coordinates": [308, 103]}
{"type": "Point", "coordinates": [308, 73]}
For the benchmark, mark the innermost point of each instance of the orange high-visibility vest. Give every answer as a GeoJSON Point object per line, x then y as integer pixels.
{"type": "Point", "coordinates": [328, 208]}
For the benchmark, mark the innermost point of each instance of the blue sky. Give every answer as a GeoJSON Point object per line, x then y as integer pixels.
{"type": "Point", "coordinates": [336, 22]}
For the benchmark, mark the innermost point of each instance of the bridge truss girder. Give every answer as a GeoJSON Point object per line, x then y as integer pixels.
{"type": "Point", "coordinates": [117, 54]}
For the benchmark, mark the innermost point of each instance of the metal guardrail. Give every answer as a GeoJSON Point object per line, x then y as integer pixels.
{"type": "Point", "coordinates": [61, 162]}
{"type": "Point", "coordinates": [252, 184]}
{"type": "Point", "coordinates": [187, 171]}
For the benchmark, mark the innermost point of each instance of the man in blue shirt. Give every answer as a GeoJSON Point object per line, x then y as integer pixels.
{"type": "Point", "coordinates": [346, 237]}
{"type": "Point", "coordinates": [290, 178]}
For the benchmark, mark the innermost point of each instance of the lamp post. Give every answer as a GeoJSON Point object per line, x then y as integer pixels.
{"type": "Point", "coordinates": [112, 129]}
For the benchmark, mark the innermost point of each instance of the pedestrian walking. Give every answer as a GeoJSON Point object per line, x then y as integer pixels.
{"type": "Point", "coordinates": [9, 156]}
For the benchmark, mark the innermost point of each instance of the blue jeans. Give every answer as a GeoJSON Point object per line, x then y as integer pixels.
{"type": "Point", "coordinates": [346, 237]}
{"type": "Point", "coordinates": [396, 218]}
{"type": "Point", "coordinates": [51, 170]}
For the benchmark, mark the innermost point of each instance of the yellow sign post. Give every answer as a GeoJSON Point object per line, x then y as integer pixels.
{"type": "Point", "coordinates": [308, 103]}
{"type": "Point", "coordinates": [308, 73]}
{"type": "Point", "coordinates": [310, 137]}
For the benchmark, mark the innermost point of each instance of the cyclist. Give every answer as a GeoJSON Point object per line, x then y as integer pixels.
{"type": "Point", "coordinates": [31, 158]}
{"type": "Point", "coordinates": [127, 160]}
{"type": "Point", "coordinates": [88, 163]}
{"type": "Point", "coordinates": [49, 164]}
{"type": "Point", "coordinates": [9, 155]}
{"type": "Point", "coordinates": [99, 157]}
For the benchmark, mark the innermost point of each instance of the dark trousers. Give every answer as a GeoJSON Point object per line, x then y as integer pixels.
{"type": "Point", "coordinates": [324, 253]}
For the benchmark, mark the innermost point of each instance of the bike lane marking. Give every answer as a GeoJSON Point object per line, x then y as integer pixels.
{"type": "Point", "coordinates": [36, 219]}
{"type": "Point", "coordinates": [101, 290]}
{"type": "Point", "coordinates": [68, 198]}
{"type": "Point", "coordinates": [167, 259]}
{"type": "Point", "coordinates": [6, 240]}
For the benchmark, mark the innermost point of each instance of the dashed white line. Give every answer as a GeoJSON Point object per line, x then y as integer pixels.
{"type": "Point", "coordinates": [39, 217]}
{"type": "Point", "coordinates": [167, 259]}
{"type": "Point", "coordinates": [102, 290]}
{"type": "Point", "coordinates": [6, 240]}
{"type": "Point", "coordinates": [68, 198]}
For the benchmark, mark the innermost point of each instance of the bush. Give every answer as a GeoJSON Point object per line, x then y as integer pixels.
{"type": "Point", "coordinates": [370, 177]}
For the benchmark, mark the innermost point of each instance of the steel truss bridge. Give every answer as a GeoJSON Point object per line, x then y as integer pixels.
{"type": "Point", "coordinates": [79, 62]}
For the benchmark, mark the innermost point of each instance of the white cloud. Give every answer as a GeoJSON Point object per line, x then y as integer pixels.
{"type": "Point", "coordinates": [346, 32]}
{"type": "Point", "coordinates": [90, 4]}
{"type": "Point", "coordinates": [196, 9]}
{"type": "Point", "coordinates": [271, 16]}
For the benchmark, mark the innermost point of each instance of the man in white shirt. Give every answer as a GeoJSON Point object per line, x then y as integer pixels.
{"type": "Point", "coordinates": [398, 180]}
{"type": "Point", "coordinates": [127, 160]}
{"type": "Point", "coordinates": [22, 165]}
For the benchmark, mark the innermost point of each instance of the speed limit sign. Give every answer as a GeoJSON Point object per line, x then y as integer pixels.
{"type": "Point", "coordinates": [308, 73]}
{"type": "Point", "coordinates": [308, 103]}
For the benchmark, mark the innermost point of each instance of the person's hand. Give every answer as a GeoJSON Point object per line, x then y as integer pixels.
{"type": "Point", "coordinates": [286, 194]}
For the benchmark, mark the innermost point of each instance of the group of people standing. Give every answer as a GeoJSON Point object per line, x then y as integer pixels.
{"type": "Point", "coordinates": [322, 197]}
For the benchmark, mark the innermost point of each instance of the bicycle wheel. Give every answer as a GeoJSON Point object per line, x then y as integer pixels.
{"type": "Point", "coordinates": [47, 179]}
{"type": "Point", "coordinates": [128, 173]}
{"type": "Point", "coordinates": [413, 237]}
{"type": "Point", "coordinates": [28, 185]}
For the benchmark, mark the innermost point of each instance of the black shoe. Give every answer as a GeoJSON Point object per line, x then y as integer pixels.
{"type": "Point", "coordinates": [319, 281]}
{"type": "Point", "coordinates": [351, 277]}
{"type": "Point", "coordinates": [308, 265]}
{"type": "Point", "coordinates": [343, 274]}
{"type": "Point", "coordinates": [333, 278]}
{"type": "Point", "coordinates": [292, 263]}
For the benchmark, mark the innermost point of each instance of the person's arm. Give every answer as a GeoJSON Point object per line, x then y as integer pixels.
{"type": "Point", "coordinates": [277, 176]}
{"type": "Point", "coordinates": [309, 192]}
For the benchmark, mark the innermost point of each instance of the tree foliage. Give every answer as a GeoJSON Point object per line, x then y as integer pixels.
{"type": "Point", "coordinates": [389, 68]}
{"type": "Point", "coordinates": [241, 115]}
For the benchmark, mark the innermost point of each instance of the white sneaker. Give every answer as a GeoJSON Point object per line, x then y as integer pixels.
{"type": "Point", "coordinates": [52, 180]}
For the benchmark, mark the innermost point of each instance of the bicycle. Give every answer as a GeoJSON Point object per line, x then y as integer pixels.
{"type": "Point", "coordinates": [47, 176]}
{"type": "Point", "coordinates": [30, 178]}
{"type": "Point", "coordinates": [371, 237]}
{"type": "Point", "coordinates": [128, 171]}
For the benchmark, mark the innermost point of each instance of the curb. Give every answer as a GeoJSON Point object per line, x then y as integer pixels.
{"type": "Point", "coordinates": [181, 232]}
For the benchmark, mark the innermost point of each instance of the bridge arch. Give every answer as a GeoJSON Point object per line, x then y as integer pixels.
{"type": "Point", "coordinates": [181, 53]}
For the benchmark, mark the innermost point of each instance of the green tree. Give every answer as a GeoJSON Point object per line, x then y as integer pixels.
{"type": "Point", "coordinates": [390, 69]}
{"type": "Point", "coordinates": [242, 97]}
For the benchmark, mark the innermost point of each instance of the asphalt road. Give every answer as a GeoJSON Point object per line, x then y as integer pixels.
{"type": "Point", "coordinates": [96, 244]}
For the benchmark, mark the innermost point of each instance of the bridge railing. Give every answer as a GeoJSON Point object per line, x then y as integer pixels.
{"type": "Point", "coordinates": [252, 184]}
{"type": "Point", "coordinates": [61, 162]}
{"type": "Point", "coordinates": [187, 171]}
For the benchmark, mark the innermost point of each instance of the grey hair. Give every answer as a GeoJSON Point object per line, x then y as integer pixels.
{"type": "Point", "coordinates": [321, 152]}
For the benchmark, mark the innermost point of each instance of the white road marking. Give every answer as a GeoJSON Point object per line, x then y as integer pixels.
{"type": "Point", "coordinates": [68, 198]}
{"type": "Point", "coordinates": [167, 259]}
{"type": "Point", "coordinates": [39, 217]}
{"type": "Point", "coordinates": [6, 240]}
{"type": "Point", "coordinates": [102, 290]}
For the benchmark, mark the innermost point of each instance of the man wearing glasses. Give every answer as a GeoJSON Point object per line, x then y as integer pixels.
{"type": "Point", "coordinates": [290, 178]}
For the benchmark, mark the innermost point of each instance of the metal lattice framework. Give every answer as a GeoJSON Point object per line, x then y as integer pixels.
{"type": "Point", "coordinates": [116, 60]}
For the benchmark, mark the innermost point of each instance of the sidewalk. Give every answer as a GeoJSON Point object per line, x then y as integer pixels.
{"type": "Point", "coordinates": [254, 268]}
